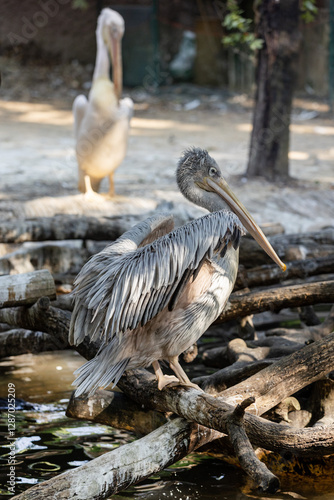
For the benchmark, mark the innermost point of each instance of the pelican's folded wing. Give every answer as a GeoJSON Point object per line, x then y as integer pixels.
{"type": "Point", "coordinates": [126, 285]}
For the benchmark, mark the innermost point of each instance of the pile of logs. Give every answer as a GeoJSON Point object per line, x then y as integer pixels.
{"type": "Point", "coordinates": [271, 394]}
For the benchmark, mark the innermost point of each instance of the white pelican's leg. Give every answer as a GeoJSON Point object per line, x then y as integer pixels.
{"type": "Point", "coordinates": [180, 373]}
{"type": "Point", "coordinates": [163, 380]}
{"type": "Point", "coordinates": [111, 192]}
{"type": "Point", "coordinates": [90, 194]}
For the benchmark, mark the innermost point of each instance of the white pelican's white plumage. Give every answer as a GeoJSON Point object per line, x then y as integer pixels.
{"type": "Point", "coordinates": [152, 293]}
{"type": "Point", "coordinates": [102, 122]}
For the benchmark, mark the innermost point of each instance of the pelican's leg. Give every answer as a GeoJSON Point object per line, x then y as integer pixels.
{"type": "Point", "coordinates": [163, 380]}
{"type": "Point", "coordinates": [88, 186]}
{"type": "Point", "coordinates": [111, 192]}
{"type": "Point", "coordinates": [90, 193]}
{"type": "Point", "coordinates": [180, 373]}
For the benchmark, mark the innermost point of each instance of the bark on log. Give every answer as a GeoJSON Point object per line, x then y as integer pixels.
{"type": "Point", "coordinates": [41, 317]}
{"type": "Point", "coordinates": [66, 227]}
{"type": "Point", "coordinates": [230, 375]}
{"type": "Point", "coordinates": [25, 289]}
{"type": "Point", "coordinates": [319, 357]}
{"type": "Point", "coordinates": [19, 341]}
{"type": "Point", "coordinates": [298, 269]}
{"type": "Point", "coordinates": [214, 412]}
{"type": "Point", "coordinates": [316, 332]}
{"type": "Point", "coordinates": [65, 257]}
{"type": "Point", "coordinates": [197, 407]}
{"type": "Point", "coordinates": [289, 247]}
{"type": "Point", "coordinates": [115, 409]}
{"type": "Point", "coordinates": [116, 470]}
{"type": "Point", "coordinates": [323, 403]}
{"type": "Point", "coordinates": [275, 299]}
{"type": "Point", "coordinates": [245, 453]}
{"type": "Point", "coordinates": [286, 376]}
{"type": "Point", "coordinates": [239, 350]}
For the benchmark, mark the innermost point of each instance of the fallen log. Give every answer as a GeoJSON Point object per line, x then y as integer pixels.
{"type": "Point", "coordinates": [40, 317]}
{"type": "Point", "coordinates": [66, 227]}
{"type": "Point", "coordinates": [213, 412]}
{"type": "Point", "coordinates": [238, 350]}
{"type": "Point", "coordinates": [200, 407]}
{"type": "Point", "coordinates": [298, 269]}
{"type": "Point", "coordinates": [230, 375]}
{"type": "Point", "coordinates": [275, 299]}
{"type": "Point", "coordinates": [286, 376]}
{"type": "Point", "coordinates": [255, 301]}
{"type": "Point", "coordinates": [116, 470]}
{"type": "Point", "coordinates": [25, 289]}
{"type": "Point", "coordinates": [245, 453]}
{"type": "Point", "coordinates": [60, 257]}
{"type": "Point", "coordinates": [115, 409]}
{"type": "Point", "coordinates": [19, 341]}
{"type": "Point", "coordinates": [289, 247]}
{"type": "Point", "coordinates": [315, 332]}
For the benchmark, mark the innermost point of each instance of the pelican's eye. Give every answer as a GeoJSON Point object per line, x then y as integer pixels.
{"type": "Point", "coordinates": [213, 172]}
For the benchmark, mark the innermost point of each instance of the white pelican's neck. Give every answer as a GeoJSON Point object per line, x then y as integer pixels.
{"type": "Point", "coordinates": [102, 63]}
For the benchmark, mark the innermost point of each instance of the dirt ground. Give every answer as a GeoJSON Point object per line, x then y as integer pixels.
{"type": "Point", "coordinates": [38, 165]}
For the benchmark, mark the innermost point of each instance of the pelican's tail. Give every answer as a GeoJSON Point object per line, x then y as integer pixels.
{"type": "Point", "coordinates": [99, 371]}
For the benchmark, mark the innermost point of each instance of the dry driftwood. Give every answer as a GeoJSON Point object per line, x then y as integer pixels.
{"type": "Point", "coordinates": [116, 470]}
{"type": "Point", "coordinates": [315, 332]}
{"type": "Point", "coordinates": [230, 375]}
{"type": "Point", "coordinates": [25, 289]}
{"type": "Point", "coordinates": [40, 317]}
{"type": "Point", "coordinates": [267, 275]}
{"type": "Point", "coordinates": [245, 453]}
{"type": "Point", "coordinates": [275, 299]}
{"type": "Point", "coordinates": [66, 227]}
{"type": "Point", "coordinates": [289, 247]}
{"type": "Point", "coordinates": [196, 406]}
{"type": "Point", "coordinates": [19, 341]}
{"type": "Point", "coordinates": [66, 257]}
{"type": "Point", "coordinates": [240, 351]}
{"type": "Point", "coordinates": [115, 409]}
{"type": "Point", "coordinates": [323, 402]}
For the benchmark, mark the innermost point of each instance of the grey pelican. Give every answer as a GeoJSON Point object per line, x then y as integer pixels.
{"type": "Point", "coordinates": [101, 123]}
{"type": "Point", "coordinates": [152, 293]}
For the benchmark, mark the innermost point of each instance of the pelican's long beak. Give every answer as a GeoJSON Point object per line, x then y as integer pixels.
{"type": "Point", "coordinates": [224, 191]}
{"type": "Point", "coordinates": [115, 50]}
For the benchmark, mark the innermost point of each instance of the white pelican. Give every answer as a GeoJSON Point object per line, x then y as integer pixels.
{"type": "Point", "coordinates": [152, 293]}
{"type": "Point", "coordinates": [101, 123]}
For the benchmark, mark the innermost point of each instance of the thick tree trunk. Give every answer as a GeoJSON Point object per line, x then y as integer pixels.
{"type": "Point", "coordinates": [278, 27]}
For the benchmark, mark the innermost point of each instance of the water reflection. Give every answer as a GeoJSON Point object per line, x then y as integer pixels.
{"type": "Point", "coordinates": [41, 378]}
{"type": "Point", "coordinates": [47, 442]}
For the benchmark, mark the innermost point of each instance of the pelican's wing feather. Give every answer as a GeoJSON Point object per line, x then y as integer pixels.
{"type": "Point", "coordinates": [79, 108]}
{"type": "Point", "coordinates": [126, 284]}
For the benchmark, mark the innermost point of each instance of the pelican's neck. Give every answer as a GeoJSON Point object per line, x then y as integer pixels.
{"type": "Point", "coordinates": [117, 71]}
{"type": "Point", "coordinates": [205, 199]}
{"type": "Point", "coordinates": [102, 64]}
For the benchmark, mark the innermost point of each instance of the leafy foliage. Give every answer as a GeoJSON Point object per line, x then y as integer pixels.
{"type": "Point", "coordinates": [239, 28]}
{"type": "Point", "coordinates": [80, 4]}
{"type": "Point", "coordinates": [308, 10]}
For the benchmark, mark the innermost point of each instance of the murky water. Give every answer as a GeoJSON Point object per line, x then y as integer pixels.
{"type": "Point", "coordinates": [47, 442]}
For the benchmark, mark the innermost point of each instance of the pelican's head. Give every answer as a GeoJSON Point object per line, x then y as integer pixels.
{"type": "Point", "coordinates": [200, 180]}
{"type": "Point", "coordinates": [111, 26]}
{"type": "Point", "coordinates": [110, 31]}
